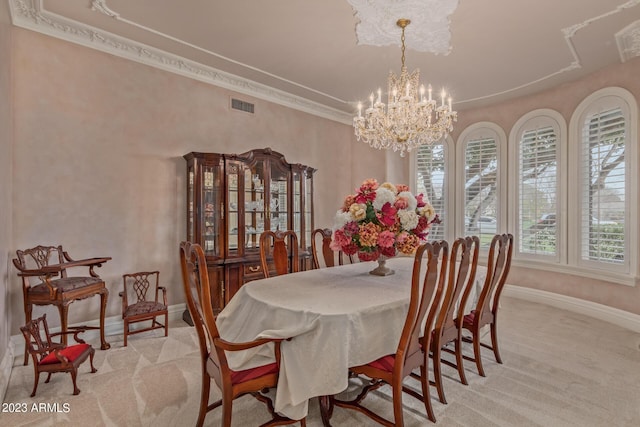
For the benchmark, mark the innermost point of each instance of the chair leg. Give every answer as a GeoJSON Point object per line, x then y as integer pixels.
{"type": "Point", "coordinates": [476, 350]}
{"type": "Point", "coordinates": [426, 396]}
{"type": "Point", "coordinates": [437, 370]}
{"type": "Point", "coordinates": [48, 378]}
{"type": "Point", "coordinates": [28, 309]}
{"type": "Point", "coordinates": [459, 359]}
{"type": "Point", "coordinates": [103, 308]}
{"type": "Point", "coordinates": [36, 380]}
{"type": "Point", "coordinates": [204, 398]}
{"type": "Point", "coordinates": [76, 390]}
{"type": "Point", "coordinates": [398, 415]}
{"type": "Point", "coordinates": [93, 369]}
{"type": "Point", "coordinates": [166, 324]}
{"type": "Point", "coordinates": [64, 311]}
{"type": "Point", "coordinates": [494, 340]}
{"type": "Point", "coordinates": [227, 409]}
{"type": "Point", "coordinates": [125, 331]}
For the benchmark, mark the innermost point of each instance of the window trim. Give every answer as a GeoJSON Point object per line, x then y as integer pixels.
{"type": "Point", "coordinates": [629, 106]}
{"type": "Point", "coordinates": [481, 130]}
{"type": "Point", "coordinates": [524, 123]}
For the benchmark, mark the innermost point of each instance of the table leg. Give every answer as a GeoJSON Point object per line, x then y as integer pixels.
{"type": "Point", "coordinates": [326, 409]}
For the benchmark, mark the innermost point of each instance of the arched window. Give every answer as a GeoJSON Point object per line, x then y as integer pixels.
{"type": "Point", "coordinates": [433, 165]}
{"type": "Point", "coordinates": [603, 172]}
{"type": "Point", "coordinates": [482, 156]}
{"type": "Point", "coordinates": [538, 177]}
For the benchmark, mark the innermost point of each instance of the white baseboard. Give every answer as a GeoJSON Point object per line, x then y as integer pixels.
{"type": "Point", "coordinates": [616, 316]}
{"type": "Point", "coordinates": [112, 326]}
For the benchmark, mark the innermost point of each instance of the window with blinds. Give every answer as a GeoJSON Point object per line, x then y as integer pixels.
{"type": "Point", "coordinates": [603, 187]}
{"type": "Point", "coordinates": [431, 180]}
{"type": "Point", "coordinates": [538, 209]}
{"type": "Point", "coordinates": [481, 189]}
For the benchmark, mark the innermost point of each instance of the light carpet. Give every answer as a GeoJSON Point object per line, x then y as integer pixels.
{"type": "Point", "coordinates": [560, 369]}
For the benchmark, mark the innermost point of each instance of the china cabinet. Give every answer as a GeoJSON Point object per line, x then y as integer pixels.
{"type": "Point", "coordinates": [232, 199]}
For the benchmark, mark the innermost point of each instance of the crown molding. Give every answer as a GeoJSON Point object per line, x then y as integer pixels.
{"type": "Point", "coordinates": [31, 15]}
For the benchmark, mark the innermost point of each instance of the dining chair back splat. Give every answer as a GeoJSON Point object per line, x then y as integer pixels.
{"type": "Point", "coordinates": [282, 248]}
{"type": "Point", "coordinates": [393, 368]}
{"type": "Point", "coordinates": [463, 263]}
{"type": "Point", "coordinates": [486, 310]}
{"type": "Point", "coordinates": [323, 236]}
{"type": "Point", "coordinates": [213, 348]}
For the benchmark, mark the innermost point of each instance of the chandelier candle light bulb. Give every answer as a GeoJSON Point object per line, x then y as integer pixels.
{"type": "Point", "coordinates": [408, 121]}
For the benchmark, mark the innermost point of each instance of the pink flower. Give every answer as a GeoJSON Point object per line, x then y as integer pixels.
{"type": "Point", "coordinates": [401, 203]}
{"type": "Point", "coordinates": [368, 185]}
{"type": "Point", "coordinates": [388, 252]}
{"type": "Point", "coordinates": [350, 249]}
{"type": "Point", "coordinates": [340, 238]}
{"type": "Point", "coordinates": [351, 228]}
{"type": "Point", "coordinates": [386, 239]}
{"type": "Point", "coordinates": [387, 215]}
{"type": "Point", "coordinates": [420, 199]}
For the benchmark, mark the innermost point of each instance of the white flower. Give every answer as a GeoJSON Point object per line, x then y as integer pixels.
{"type": "Point", "coordinates": [383, 195]}
{"type": "Point", "coordinates": [412, 203]}
{"type": "Point", "coordinates": [341, 219]}
{"type": "Point", "coordinates": [408, 219]}
{"type": "Point", "coordinates": [428, 211]}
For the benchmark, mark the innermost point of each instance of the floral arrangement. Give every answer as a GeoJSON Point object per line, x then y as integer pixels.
{"type": "Point", "coordinates": [381, 220]}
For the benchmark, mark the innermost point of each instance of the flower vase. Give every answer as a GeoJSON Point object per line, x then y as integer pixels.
{"type": "Point", "coordinates": [382, 269]}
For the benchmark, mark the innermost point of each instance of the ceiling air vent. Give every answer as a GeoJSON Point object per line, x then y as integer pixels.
{"type": "Point", "coordinates": [236, 104]}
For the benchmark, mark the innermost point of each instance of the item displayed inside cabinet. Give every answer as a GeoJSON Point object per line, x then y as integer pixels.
{"type": "Point", "coordinates": [232, 199]}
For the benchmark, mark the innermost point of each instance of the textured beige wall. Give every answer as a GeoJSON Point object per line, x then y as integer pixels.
{"type": "Point", "coordinates": [5, 176]}
{"type": "Point", "coordinates": [565, 99]}
{"type": "Point", "coordinates": [98, 158]}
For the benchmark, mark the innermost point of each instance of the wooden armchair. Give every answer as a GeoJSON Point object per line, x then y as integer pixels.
{"type": "Point", "coordinates": [213, 349]}
{"type": "Point", "coordinates": [426, 291]}
{"type": "Point", "coordinates": [137, 307]}
{"type": "Point", "coordinates": [51, 357]}
{"type": "Point", "coordinates": [282, 248]}
{"type": "Point", "coordinates": [43, 270]}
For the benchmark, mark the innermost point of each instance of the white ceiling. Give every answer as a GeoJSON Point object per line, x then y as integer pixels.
{"type": "Point", "coordinates": [306, 53]}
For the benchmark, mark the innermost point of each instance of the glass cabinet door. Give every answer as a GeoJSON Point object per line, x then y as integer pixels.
{"type": "Point", "coordinates": [254, 205]}
{"type": "Point", "coordinates": [297, 204]}
{"type": "Point", "coordinates": [211, 236]}
{"type": "Point", "coordinates": [278, 199]}
{"type": "Point", "coordinates": [233, 216]}
{"type": "Point", "coordinates": [308, 208]}
{"type": "Point", "coordinates": [191, 222]}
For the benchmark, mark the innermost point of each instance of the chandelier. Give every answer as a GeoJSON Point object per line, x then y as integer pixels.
{"type": "Point", "coordinates": [410, 118]}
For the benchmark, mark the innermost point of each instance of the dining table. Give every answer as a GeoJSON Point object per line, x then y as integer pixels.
{"type": "Point", "coordinates": [332, 319]}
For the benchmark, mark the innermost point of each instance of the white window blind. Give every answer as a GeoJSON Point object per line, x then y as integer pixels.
{"type": "Point", "coordinates": [431, 180]}
{"type": "Point", "coordinates": [603, 178]}
{"type": "Point", "coordinates": [481, 189]}
{"type": "Point", "coordinates": [538, 213]}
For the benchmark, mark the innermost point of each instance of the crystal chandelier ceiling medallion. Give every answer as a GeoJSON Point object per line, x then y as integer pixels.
{"type": "Point", "coordinates": [411, 117]}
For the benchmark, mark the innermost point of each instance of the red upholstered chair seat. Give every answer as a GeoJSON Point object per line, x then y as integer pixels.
{"type": "Point", "coordinates": [385, 363]}
{"type": "Point", "coordinates": [71, 353]}
{"type": "Point", "coordinates": [238, 377]}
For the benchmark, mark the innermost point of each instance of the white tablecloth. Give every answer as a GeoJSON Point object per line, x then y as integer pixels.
{"type": "Point", "coordinates": [337, 317]}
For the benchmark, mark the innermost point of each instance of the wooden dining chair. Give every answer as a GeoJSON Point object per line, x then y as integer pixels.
{"type": "Point", "coordinates": [232, 384]}
{"type": "Point", "coordinates": [463, 262]}
{"type": "Point", "coordinates": [322, 237]}
{"type": "Point", "coordinates": [392, 369]}
{"type": "Point", "coordinates": [281, 247]}
{"type": "Point", "coordinates": [486, 309]}
{"type": "Point", "coordinates": [140, 305]}
{"type": "Point", "coordinates": [50, 357]}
